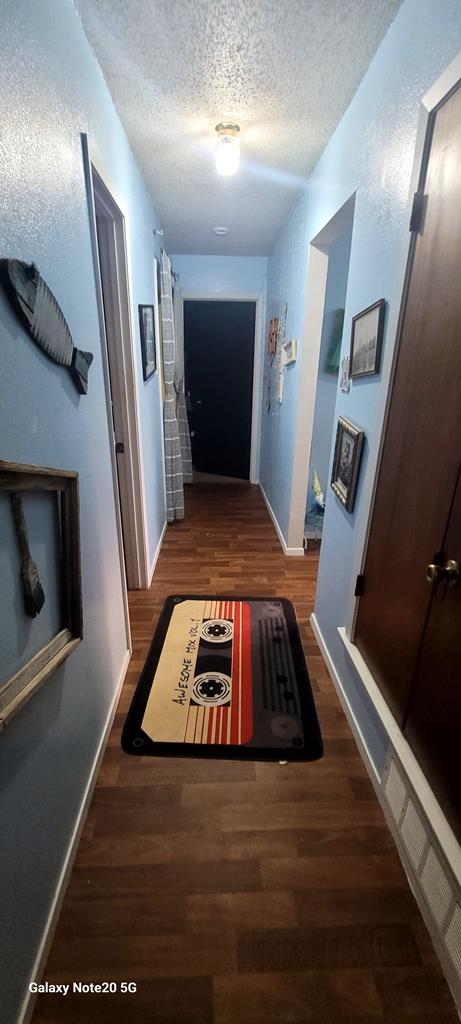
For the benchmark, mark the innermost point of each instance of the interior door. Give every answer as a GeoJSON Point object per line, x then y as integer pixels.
{"type": "Point", "coordinates": [433, 723]}
{"type": "Point", "coordinates": [421, 453]}
{"type": "Point", "coordinates": [219, 355]}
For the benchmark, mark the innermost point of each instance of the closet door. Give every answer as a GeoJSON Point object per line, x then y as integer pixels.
{"type": "Point", "coordinates": [422, 447]}
{"type": "Point", "coordinates": [433, 723]}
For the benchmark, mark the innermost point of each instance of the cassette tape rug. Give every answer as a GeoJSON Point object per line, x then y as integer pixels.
{"type": "Point", "coordinates": [225, 677]}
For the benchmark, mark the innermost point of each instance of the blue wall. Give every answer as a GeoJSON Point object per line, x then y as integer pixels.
{"type": "Point", "coordinates": [372, 151]}
{"type": "Point", "coordinates": [52, 90]}
{"type": "Point", "coordinates": [208, 276]}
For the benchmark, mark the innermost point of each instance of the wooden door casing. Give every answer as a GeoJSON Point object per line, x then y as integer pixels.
{"type": "Point", "coordinates": [433, 722]}
{"type": "Point", "coordinates": [421, 451]}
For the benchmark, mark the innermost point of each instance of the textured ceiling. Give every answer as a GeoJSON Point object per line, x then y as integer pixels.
{"type": "Point", "coordinates": [285, 71]}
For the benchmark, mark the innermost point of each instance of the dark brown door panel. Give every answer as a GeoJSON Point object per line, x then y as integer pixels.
{"type": "Point", "coordinates": [422, 445]}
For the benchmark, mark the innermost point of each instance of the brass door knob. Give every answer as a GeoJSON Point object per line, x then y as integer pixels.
{"type": "Point", "coordinates": [448, 573]}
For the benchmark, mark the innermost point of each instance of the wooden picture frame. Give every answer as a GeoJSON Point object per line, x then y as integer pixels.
{"type": "Point", "coordinates": [367, 340]}
{"type": "Point", "coordinates": [18, 478]}
{"type": "Point", "coordinates": [148, 340]}
{"type": "Point", "coordinates": [346, 462]}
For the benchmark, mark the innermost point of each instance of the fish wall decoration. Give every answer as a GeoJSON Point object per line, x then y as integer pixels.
{"type": "Point", "coordinates": [38, 310]}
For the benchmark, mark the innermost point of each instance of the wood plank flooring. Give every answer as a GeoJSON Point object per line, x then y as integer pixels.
{"type": "Point", "coordinates": [232, 892]}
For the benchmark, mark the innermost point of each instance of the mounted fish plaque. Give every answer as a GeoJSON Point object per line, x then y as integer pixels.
{"type": "Point", "coordinates": [40, 313]}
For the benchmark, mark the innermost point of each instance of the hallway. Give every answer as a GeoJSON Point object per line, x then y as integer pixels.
{"type": "Point", "coordinates": [233, 892]}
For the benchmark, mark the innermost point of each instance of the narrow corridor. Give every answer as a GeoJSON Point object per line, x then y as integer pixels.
{"type": "Point", "coordinates": [232, 892]}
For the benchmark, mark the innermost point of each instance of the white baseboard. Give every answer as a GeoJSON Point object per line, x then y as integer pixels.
{"type": "Point", "coordinates": [28, 1005]}
{"type": "Point", "coordinates": [286, 550]}
{"type": "Point", "coordinates": [155, 558]}
{"type": "Point", "coordinates": [447, 849]}
{"type": "Point", "coordinates": [410, 764]}
{"type": "Point", "coordinates": [346, 706]}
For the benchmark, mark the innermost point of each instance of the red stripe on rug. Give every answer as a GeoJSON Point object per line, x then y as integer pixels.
{"type": "Point", "coordinates": [235, 702]}
{"type": "Point", "coordinates": [210, 726]}
{"type": "Point", "coordinates": [247, 688]}
{"type": "Point", "coordinates": [223, 737]}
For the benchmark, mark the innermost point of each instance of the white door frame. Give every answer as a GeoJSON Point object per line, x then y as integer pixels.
{"type": "Point", "coordinates": [432, 99]}
{"type": "Point", "coordinates": [317, 272]}
{"type": "Point", "coordinates": [128, 481]}
{"type": "Point", "coordinates": [257, 365]}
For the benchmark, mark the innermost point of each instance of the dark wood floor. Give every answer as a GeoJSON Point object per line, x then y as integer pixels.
{"type": "Point", "coordinates": [232, 892]}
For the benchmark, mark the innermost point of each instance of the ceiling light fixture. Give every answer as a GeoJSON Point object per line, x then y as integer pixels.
{"type": "Point", "coordinates": [220, 229]}
{"type": "Point", "coordinates": [228, 150]}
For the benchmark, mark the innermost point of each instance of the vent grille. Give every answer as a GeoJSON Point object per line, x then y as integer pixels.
{"type": "Point", "coordinates": [414, 835]}
{"type": "Point", "coordinates": [436, 887]}
{"type": "Point", "coordinates": [453, 939]}
{"type": "Point", "coordinates": [395, 790]}
{"type": "Point", "coordinates": [434, 880]}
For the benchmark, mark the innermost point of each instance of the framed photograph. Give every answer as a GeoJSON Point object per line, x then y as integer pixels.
{"type": "Point", "coordinates": [346, 462]}
{"type": "Point", "coordinates": [148, 347]}
{"type": "Point", "coordinates": [43, 623]}
{"type": "Point", "coordinates": [366, 340]}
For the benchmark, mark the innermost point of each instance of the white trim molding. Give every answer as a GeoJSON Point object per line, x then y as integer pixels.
{"type": "Point", "coordinates": [286, 550]}
{"type": "Point", "coordinates": [419, 800]}
{"type": "Point", "coordinates": [28, 1005]}
{"type": "Point", "coordinates": [133, 537]}
{"type": "Point", "coordinates": [157, 552]}
{"type": "Point", "coordinates": [347, 707]}
{"type": "Point", "coordinates": [432, 809]}
{"type": "Point", "coordinates": [317, 256]}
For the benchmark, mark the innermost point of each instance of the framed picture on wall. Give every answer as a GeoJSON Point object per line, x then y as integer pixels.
{"type": "Point", "coordinates": [366, 340]}
{"type": "Point", "coordinates": [346, 462]}
{"type": "Point", "coordinates": [148, 347]}
{"type": "Point", "coordinates": [43, 606]}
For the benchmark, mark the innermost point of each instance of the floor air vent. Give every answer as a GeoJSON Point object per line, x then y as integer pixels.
{"type": "Point", "coordinates": [432, 880]}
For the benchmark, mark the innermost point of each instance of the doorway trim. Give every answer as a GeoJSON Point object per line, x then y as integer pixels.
{"type": "Point", "coordinates": [314, 306]}
{"type": "Point", "coordinates": [132, 538]}
{"type": "Point", "coordinates": [432, 99]}
{"type": "Point", "coordinates": [257, 364]}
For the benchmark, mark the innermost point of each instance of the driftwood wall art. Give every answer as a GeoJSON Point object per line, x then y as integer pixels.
{"type": "Point", "coordinates": [17, 480]}
{"type": "Point", "coordinates": [34, 598]}
{"type": "Point", "coordinates": [40, 313]}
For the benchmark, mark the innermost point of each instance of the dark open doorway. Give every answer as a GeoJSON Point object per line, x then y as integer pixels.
{"type": "Point", "coordinates": [219, 340]}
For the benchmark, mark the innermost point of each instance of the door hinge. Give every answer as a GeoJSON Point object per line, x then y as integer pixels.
{"type": "Point", "coordinates": [119, 447]}
{"type": "Point", "coordinates": [417, 211]}
{"type": "Point", "coordinates": [359, 585]}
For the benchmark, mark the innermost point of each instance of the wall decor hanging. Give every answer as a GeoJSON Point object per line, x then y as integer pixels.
{"type": "Point", "coordinates": [273, 335]}
{"type": "Point", "coordinates": [148, 346]}
{"type": "Point", "coordinates": [346, 462]}
{"type": "Point", "coordinates": [344, 379]}
{"type": "Point", "coordinates": [366, 340]}
{"type": "Point", "coordinates": [334, 347]}
{"type": "Point", "coordinates": [17, 480]}
{"type": "Point", "coordinates": [280, 355]}
{"type": "Point", "coordinates": [34, 597]}
{"type": "Point", "coordinates": [40, 313]}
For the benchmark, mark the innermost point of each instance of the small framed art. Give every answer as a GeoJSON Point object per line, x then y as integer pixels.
{"type": "Point", "coordinates": [147, 333]}
{"type": "Point", "coordinates": [366, 340]}
{"type": "Point", "coordinates": [346, 462]}
{"type": "Point", "coordinates": [42, 623]}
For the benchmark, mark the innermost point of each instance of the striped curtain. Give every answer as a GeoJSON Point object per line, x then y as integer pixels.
{"type": "Point", "coordinates": [181, 413]}
{"type": "Point", "coordinates": [173, 457]}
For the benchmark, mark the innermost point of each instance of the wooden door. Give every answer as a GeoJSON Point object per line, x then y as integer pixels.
{"type": "Point", "coordinates": [219, 355]}
{"type": "Point", "coordinates": [421, 453]}
{"type": "Point", "coordinates": [433, 722]}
